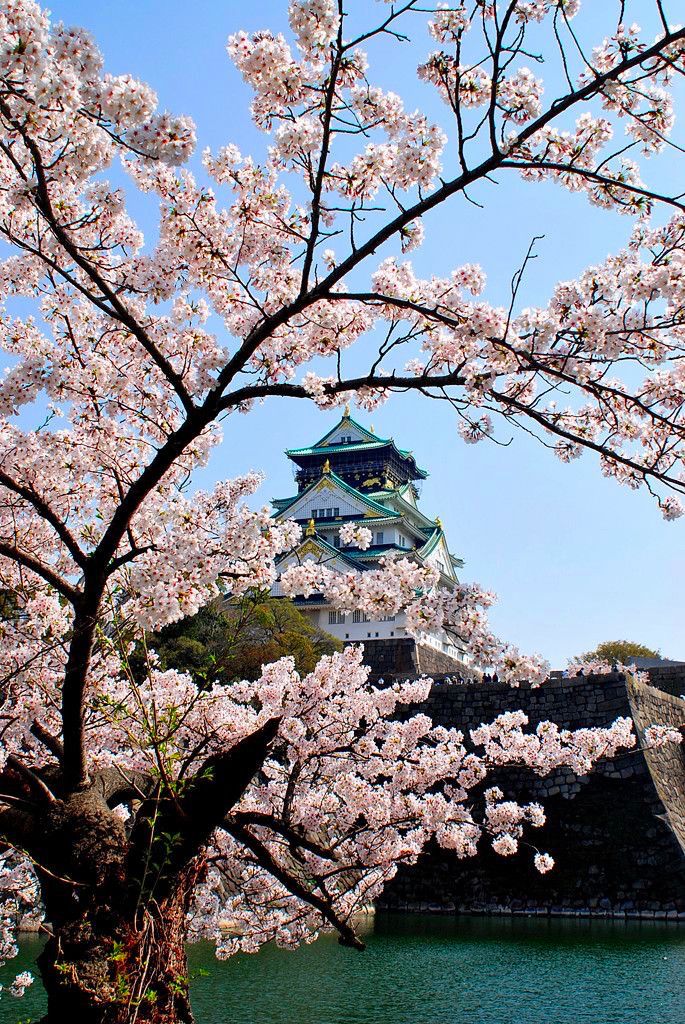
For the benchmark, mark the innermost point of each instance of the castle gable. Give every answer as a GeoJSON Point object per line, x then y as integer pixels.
{"type": "Point", "coordinates": [347, 431]}
{"type": "Point", "coordinates": [436, 553]}
{"type": "Point", "coordinates": [315, 549]}
{"type": "Point", "coordinates": [331, 498]}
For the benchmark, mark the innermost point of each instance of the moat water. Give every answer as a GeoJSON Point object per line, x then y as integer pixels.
{"type": "Point", "coordinates": [433, 970]}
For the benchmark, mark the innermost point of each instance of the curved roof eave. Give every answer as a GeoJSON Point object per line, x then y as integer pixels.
{"type": "Point", "coordinates": [375, 505]}
{"type": "Point", "coordinates": [328, 549]}
{"type": "Point", "coordinates": [336, 449]}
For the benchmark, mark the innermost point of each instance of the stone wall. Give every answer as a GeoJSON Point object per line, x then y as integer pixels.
{"type": "Point", "coordinates": [670, 678]}
{"type": "Point", "coordinates": [617, 835]}
{"type": "Point", "coordinates": [666, 764]}
{"type": "Point", "coordinates": [404, 657]}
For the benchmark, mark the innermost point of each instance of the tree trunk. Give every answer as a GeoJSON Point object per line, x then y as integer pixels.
{"type": "Point", "coordinates": [107, 969]}
{"type": "Point", "coordinates": [117, 898]}
{"type": "Point", "coordinates": [116, 954]}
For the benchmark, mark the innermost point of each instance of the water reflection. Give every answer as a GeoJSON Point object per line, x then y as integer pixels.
{"type": "Point", "coordinates": [433, 970]}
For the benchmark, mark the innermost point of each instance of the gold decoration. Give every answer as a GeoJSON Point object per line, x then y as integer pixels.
{"type": "Point", "coordinates": [346, 413]}
{"type": "Point", "coordinates": [371, 481]}
{"type": "Point", "coordinates": [327, 466]}
{"type": "Point", "coordinates": [372, 430]}
{"type": "Point", "coordinates": [438, 523]}
{"type": "Point", "coordinates": [388, 484]}
{"type": "Point", "coordinates": [309, 547]}
{"type": "Point", "coordinates": [311, 529]}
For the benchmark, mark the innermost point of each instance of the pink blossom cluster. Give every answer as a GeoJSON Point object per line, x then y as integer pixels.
{"type": "Point", "coordinates": [662, 735]}
{"type": "Point", "coordinates": [357, 536]}
{"type": "Point", "coordinates": [115, 384]}
{"type": "Point", "coordinates": [19, 906]}
{"type": "Point", "coordinates": [361, 801]}
{"type": "Point", "coordinates": [456, 83]}
{"type": "Point", "coordinates": [449, 22]}
{"type": "Point", "coordinates": [536, 10]}
{"type": "Point", "coordinates": [198, 548]}
{"type": "Point", "coordinates": [549, 747]}
{"type": "Point", "coordinates": [401, 585]}
{"type": "Point", "coordinates": [520, 96]}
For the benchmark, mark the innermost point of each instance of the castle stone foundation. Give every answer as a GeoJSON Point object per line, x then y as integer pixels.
{"type": "Point", "coordinates": [617, 835]}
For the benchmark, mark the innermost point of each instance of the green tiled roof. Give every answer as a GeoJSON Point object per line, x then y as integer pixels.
{"type": "Point", "coordinates": [378, 552]}
{"type": "Point", "coordinates": [411, 510]}
{"type": "Point", "coordinates": [369, 502]}
{"type": "Point", "coordinates": [431, 543]}
{"type": "Point", "coordinates": [390, 518]}
{"type": "Point", "coordinates": [361, 446]}
{"type": "Point", "coordinates": [335, 448]}
{"type": "Point", "coordinates": [371, 443]}
{"type": "Point", "coordinates": [348, 419]}
{"type": "Point", "coordinates": [328, 548]}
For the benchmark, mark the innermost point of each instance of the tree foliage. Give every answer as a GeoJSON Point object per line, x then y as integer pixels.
{"type": "Point", "coordinates": [144, 808]}
{"type": "Point", "coordinates": [226, 641]}
{"type": "Point", "coordinates": [618, 651]}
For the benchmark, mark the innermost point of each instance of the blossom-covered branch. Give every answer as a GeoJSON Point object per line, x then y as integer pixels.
{"type": "Point", "coordinates": [127, 359]}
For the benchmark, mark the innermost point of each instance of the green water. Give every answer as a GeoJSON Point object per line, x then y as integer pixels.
{"type": "Point", "coordinates": [430, 970]}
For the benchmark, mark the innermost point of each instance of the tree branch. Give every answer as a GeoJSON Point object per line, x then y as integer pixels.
{"type": "Point", "coordinates": [45, 572]}
{"type": "Point", "coordinates": [43, 508]}
{"type": "Point", "coordinates": [348, 936]}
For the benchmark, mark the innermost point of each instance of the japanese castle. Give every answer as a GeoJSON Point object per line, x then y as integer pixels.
{"type": "Point", "coordinates": [351, 475]}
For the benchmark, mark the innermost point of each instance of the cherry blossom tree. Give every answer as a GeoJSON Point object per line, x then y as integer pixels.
{"type": "Point", "coordinates": [136, 814]}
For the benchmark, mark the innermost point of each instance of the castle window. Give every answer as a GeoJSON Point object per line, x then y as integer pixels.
{"type": "Point", "coordinates": [336, 618]}
{"type": "Point", "coordinates": [360, 617]}
{"type": "Point", "coordinates": [387, 618]}
{"type": "Point", "coordinates": [379, 537]}
{"type": "Point", "coordinates": [329, 513]}
{"type": "Point", "coordinates": [336, 511]}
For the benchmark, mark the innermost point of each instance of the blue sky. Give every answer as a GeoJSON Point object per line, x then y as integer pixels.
{"type": "Point", "coordinates": [575, 558]}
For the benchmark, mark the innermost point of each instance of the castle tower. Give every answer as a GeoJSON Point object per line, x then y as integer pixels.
{"type": "Point", "coordinates": [352, 475]}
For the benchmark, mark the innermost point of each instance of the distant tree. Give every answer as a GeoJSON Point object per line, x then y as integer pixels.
{"type": "Point", "coordinates": [226, 641]}
{"type": "Point", "coordinates": [617, 650]}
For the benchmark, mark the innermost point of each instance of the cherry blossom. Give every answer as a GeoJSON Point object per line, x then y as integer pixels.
{"type": "Point", "coordinates": [520, 95]}
{"type": "Point", "coordinates": [662, 735]}
{"type": "Point", "coordinates": [355, 536]}
{"type": "Point", "coordinates": [284, 805]}
{"type": "Point", "coordinates": [543, 862]}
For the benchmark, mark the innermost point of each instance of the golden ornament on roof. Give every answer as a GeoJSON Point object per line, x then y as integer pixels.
{"type": "Point", "coordinates": [311, 529]}
{"type": "Point", "coordinates": [438, 523]}
{"type": "Point", "coordinates": [346, 412]}
{"type": "Point", "coordinates": [327, 466]}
